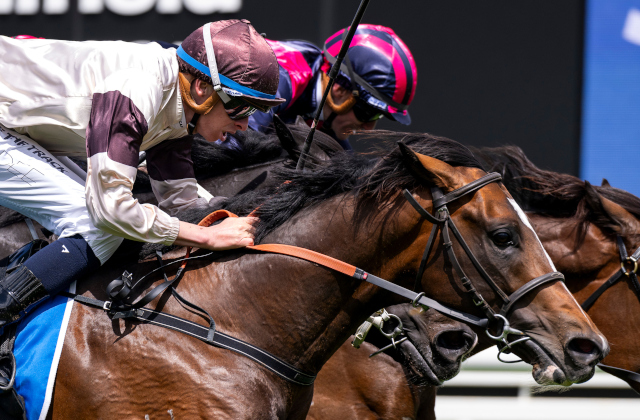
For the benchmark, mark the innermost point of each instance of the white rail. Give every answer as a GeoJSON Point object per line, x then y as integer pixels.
{"type": "Point", "coordinates": [484, 371]}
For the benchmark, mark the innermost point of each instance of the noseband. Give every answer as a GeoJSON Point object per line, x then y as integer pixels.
{"type": "Point", "coordinates": [442, 221]}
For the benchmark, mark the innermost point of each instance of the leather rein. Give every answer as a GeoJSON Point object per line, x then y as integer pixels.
{"type": "Point", "coordinates": [121, 307]}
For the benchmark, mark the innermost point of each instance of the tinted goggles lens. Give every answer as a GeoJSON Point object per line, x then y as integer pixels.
{"type": "Point", "coordinates": [238, 108]}
{"type": "Point", "coordinates": [366, 113]}
{"type": "Point", "coordinates": [243, 111]}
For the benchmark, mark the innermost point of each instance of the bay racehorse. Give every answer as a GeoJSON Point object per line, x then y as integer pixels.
{"type": "Point", "coordinates": [578, 225]}
{"type": "Point", "coordinates": [351, 209]}
{"type": "Point", "coordinates": [247, 165]}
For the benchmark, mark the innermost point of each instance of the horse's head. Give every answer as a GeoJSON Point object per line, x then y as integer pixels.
{"type": "Point", "coordinates": [564, 345]}
{"type": "Point", "coordinates": [597, 260]}
{"type": "Point", "coordinates": [434, 348]}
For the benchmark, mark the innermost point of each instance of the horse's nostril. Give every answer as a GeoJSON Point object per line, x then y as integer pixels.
{"type": "Point", "coordinates": [454, 340]}
{"type": "Point", "coordinates": [584, 351]}
{"type": "Point", "coordinates": [583, 345]}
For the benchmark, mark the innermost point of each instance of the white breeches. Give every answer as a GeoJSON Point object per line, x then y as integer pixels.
{"type": "Point", "coordinates": [36, 184]}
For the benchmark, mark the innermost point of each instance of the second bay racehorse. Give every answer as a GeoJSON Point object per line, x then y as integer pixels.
{"type": "Point", "coordinates": [578, 225]}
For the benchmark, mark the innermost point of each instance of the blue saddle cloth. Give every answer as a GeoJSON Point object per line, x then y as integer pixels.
{"type": "Point", "coordinates": [39, 340]}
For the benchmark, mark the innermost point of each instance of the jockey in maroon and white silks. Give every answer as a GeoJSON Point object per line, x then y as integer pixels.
{"type": "Point", "coordinates": [107, 101]}
{"type": "Point", "coordinates": [378, 79]}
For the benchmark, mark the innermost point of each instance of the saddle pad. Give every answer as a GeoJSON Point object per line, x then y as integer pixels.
{"type": "Point", "coordinates": [39, 339]}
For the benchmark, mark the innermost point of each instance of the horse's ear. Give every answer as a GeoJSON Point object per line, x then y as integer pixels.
{"type": "Point", "coordinates": [605, 183]}
{"type": "Point", "coordinates": [613, 211]}
{"type": "Point", "coordinates": [595, 203]}
{"type": "Point", "coordinates": [429, 170]}
{"type": "Point", "coordinates": [626, 220]}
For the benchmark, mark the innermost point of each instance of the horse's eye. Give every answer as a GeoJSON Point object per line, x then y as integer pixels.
{"type": "Point", "coordinates": [502, 238]}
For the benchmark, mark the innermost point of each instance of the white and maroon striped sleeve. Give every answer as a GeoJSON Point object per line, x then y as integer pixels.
{"type": "Point", "coordinates": [120, 117]}
{"type": "Point", "coordinates": [172, 178]}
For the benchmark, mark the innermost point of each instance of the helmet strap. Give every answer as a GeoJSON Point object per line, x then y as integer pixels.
{"type": "Point", "coordinates": [185, 91]}
{"type": "Point", "coordinates": [191, 127]}
{"type": "Point", "coordinates": [326, 125]}
{"type": "Point", "coordinates": [344, 107]}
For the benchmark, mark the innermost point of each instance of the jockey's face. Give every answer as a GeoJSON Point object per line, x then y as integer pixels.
{"type": "Point", "coordinates": [345, 124]}
{"type": "Point", "coordinates": [216, 123]}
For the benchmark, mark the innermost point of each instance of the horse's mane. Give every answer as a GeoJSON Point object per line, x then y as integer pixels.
{"type": "Point", "coordinates": [376, 176]}
{"type": "Point", "coordinates": [553, 193]}
{"type": "Point", "coordinates": [215, 159]}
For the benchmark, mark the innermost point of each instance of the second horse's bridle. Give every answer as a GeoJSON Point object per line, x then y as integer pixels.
{"type": "Point", "coordinates": [628, 268]}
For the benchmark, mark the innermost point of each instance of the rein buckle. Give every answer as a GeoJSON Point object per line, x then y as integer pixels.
{"type": "Point", "coordinates": [629, 260]}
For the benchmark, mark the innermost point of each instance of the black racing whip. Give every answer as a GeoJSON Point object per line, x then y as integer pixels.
{"type": "Point", "coordinates": [332, 78]}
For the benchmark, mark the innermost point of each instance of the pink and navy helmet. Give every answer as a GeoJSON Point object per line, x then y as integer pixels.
{"type": "Point", "coordinates": [381, 66]}
{"type": "Point", "coordinates": [26, 37]}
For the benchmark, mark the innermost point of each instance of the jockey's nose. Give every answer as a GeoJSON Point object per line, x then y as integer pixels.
{"type": "Point", "coordinates": [369, 125]}
{"type": "Point", "coordinates": [242, 124]}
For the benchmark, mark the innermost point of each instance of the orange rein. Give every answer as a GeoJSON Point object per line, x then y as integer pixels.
{"type": "Point", "coordinates": [290, 250]}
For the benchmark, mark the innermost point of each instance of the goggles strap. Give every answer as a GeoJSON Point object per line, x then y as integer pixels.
{"type": "Point", "coordinates": [185, 91]}
{"type": "Point", "coordinates": [344, 107]}
{"type": "Point", "coordinates": [213, 66]}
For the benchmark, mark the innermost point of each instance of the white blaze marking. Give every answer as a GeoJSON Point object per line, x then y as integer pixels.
{"type": "Point", "coordinates": [525, 220]}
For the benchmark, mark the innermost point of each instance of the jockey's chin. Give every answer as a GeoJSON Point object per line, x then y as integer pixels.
{"type": "Point", "coordinates": [216, 124]}
{"type": "Point", "coordinates": [347, 124]}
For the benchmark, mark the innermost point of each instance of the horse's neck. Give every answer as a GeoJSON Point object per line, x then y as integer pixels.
{"type": "Point", "coordinates": [293, 308]}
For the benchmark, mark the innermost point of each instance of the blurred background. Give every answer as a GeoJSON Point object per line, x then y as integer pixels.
{"type": "Point", "coordinates": [560, 79]}
{"type": "Point", "coordinates": [489, 73]}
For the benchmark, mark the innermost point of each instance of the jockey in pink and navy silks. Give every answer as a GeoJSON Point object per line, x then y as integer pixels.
{"type": "Point", "coordinates": [377, 79]}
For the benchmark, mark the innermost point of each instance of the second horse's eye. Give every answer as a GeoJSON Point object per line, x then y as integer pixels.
{"type": "Point", "coordinates": [502, 238]}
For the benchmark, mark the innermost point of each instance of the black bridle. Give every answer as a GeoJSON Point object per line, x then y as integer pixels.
{"type": "Point", "coordinates": [442, 221]}
{"type": "Point", "coordinates": [628, 268]}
